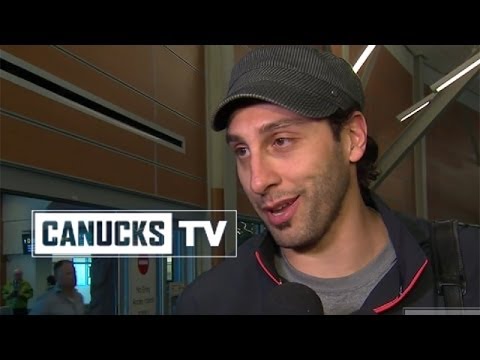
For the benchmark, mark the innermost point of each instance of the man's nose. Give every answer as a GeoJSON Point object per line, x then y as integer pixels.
{"type": "Point", "coordinates": [262, 174]}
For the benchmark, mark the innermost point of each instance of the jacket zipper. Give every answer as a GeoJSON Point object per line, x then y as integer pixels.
{"type": "Point", "coordinates": [264, 268]}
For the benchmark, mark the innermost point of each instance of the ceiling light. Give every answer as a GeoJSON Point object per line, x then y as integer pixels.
{"type": "Point", "coordinates": [361, 60]}
{"type": "Point", "coordinates": [412, 110]}
{"type": "Point", "coordinates": [456, 74]}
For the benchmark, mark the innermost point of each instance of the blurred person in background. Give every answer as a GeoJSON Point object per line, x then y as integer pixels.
{"type": "Point", "coordinates": [17, 292]}
{"type": "Point", "coordinates": [63, 298]}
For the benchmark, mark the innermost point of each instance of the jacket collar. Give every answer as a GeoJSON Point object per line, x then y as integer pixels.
{"type": "Point", "coordinates": [397, 283]}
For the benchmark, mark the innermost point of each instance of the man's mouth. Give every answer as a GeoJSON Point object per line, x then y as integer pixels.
{"type": "Point", "coordinates": [278, 209]}
{"type": "Point", "coordinates": [281, 211]}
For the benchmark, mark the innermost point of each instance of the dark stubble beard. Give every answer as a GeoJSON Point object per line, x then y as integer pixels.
{"type": "Point", "coordinates": [324, 205]}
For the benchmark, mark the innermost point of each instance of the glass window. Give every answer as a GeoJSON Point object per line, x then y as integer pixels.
{"type": "Point", "coordinates": [169, 269]}
{"type": "Point", "coordinates": [82, 269]}
{"type": "Point", "coordinates": [247, 228]}
{"type": "Point", "coordinates": [81, 274]}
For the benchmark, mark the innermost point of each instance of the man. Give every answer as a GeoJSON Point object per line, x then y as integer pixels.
{"type": "Point", "coordinates": [63, 298]}
{"type": "Point", "coordinates": [50, 282]}
{"type": "Point", "coordinates": [17, 293]}
{"type": "Point", "coordinates": [293, 117]}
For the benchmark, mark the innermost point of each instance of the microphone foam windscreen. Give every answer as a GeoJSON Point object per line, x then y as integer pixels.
{"type": "Point", "coordinates": [293, 298]}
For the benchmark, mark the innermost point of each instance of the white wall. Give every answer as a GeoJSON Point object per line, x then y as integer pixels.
{"type": "Point", "coordinates": [16, 214]}
{"type": "Point", "coordinates": [142, 288]}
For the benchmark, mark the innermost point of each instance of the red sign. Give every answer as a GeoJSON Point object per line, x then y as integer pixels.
{"type": "Point", "coordinates": [143, 265]}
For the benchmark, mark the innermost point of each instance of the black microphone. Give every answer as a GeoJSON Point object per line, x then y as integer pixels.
{"type": "Point", "coordinates": [292, 298]}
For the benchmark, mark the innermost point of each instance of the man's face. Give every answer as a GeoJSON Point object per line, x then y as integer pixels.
{"type": "Point", "coordinates": [293, 171]}
{"type": "Point", "coordinates": [18, 276]}
{"type": "Point", "coordinates": [66, 277]}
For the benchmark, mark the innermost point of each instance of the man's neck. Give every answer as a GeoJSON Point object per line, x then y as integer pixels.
{"type": "Point", "coordinates": [68, 291]}
{"type": "Point", "coordinates": [355, 238]}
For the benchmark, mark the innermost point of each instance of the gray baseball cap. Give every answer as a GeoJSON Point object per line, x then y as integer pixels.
{"type": "Point", "coordinates": [301, 79]}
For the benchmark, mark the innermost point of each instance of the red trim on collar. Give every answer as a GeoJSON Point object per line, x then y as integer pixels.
{"type": "Point", "coordinates": [399, 298]}
{"type": "Point", "coordinates": [259, 260]}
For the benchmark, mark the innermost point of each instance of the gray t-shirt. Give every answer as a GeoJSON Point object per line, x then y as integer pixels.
{"type": "Point", "coordinates": [56, 302]}
{"type": "Point", "coordinates": [344, 295]}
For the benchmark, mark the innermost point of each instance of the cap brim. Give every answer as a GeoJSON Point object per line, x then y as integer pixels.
{"type": "Point", "coordinates": [288, 97]}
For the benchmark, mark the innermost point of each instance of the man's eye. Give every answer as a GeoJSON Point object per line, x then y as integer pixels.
{"type": "Point", "coordinates": [282, 142]}
{"type": "Point", "coordinates": [241, 151]}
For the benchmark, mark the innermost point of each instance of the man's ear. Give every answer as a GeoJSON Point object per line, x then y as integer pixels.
{"type": "Point", "coordinates": [356, 128]}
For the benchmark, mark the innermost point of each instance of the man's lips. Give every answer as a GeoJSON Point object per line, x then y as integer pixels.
{"type": "Point", "coordinates": [281, 211]}
{"type": "Point", "coordinates": [278, 205]}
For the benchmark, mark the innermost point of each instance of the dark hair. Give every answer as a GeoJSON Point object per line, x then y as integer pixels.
{"type": "Point", "coordinates": [51, 280]}
{"type": "Point", "coordinates": [59, 264]}
{"type": "Point", "coordinates": [366, 166]}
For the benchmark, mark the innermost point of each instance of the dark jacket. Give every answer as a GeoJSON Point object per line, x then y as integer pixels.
{"type": "Point", "coordinates": [241, 285]}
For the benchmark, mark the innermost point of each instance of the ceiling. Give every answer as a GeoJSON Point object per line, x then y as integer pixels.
{"type": "Point", "coordinates": [445, 58]}
{"type": "Point", "coordinates": [440, 58]}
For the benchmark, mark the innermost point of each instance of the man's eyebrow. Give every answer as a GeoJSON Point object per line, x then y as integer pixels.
{"type": "Point", "coordinates": [282, 123]}
{"type": "Point", "coordinates": [270, 127]}
{"type": "Point", "coordinates": [233, 138]}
